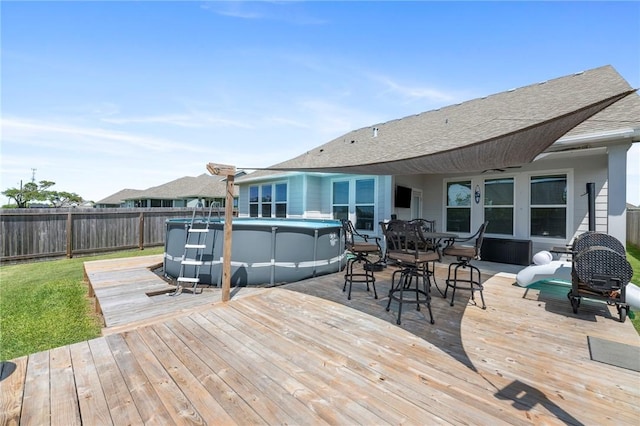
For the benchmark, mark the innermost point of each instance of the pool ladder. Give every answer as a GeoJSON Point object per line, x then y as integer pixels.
{"type": "Point", "coordinates": [194, 250]}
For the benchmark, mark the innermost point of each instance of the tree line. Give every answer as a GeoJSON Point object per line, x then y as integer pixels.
{"type": "Point", "coordinates": [41, 192]}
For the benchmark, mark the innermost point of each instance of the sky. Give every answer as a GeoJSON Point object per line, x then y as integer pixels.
{"type": "Point", "coordinates": [102, 96]}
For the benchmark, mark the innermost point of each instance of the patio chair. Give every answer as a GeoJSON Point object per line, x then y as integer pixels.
{"type": "Point", "coordinates": [426, 226]}
{"type": "Point", "coordinates": [360, 247]}
{"type": "Point", "coordinates": [403, 243]}
{"type": "Point", "coordinates": [599, 270]}
{"type": "Point", "coordinates": [464, 255]}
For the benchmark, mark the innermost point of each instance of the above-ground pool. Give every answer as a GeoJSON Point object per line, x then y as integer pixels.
{"type": "Point", "coordinates": [263, 251]}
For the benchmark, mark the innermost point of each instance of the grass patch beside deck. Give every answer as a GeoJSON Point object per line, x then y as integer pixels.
{"type": "Point", "coordinates": [44, 305]}
{"type": "Point", "coordinates": [633, 256]}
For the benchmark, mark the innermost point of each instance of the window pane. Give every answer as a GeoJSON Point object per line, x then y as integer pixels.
{"type": "Point", "coordinates": [364, 218]}
{"type": "Point", "coordinates": [340, 212]}
{"type": "Point", "coordinates": [458, 220]}
{"type": "Point", "coordinates": [549, 222]}
{"type": "Point", "coordinates": [266, 210]}
{"type": "Point", "coordinates": [365, 191]}
{"type": "Point", "coordinates": [546, 190]}
{"type": "Point", "coordinates": [253, 194]}
{"type": "Point", "coordinates": [498, 192]}
{"type": "Point", "coordinates": [253, 210]}
{"type": "Point", "coordinates": [281, 192]}
{"type": "Point", "coordinates": [459, 193]}
{"type": "Point", "coordinates": [281, 210]}
{"type": "Point", "coordinates": [500, 220]}
{"type": "Point", "coordinates": [266, 193]}
{"type": "Point", "coordinates": [340, 192]}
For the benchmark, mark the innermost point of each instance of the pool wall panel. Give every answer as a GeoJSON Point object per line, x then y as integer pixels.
{"type": "Point", "coordinates": [263, 251]}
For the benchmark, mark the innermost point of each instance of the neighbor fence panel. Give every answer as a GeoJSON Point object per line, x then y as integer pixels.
{"type": "Point", "coordinates": [633, 227]}
{"type": "Point", "coordinates": [38, 233]}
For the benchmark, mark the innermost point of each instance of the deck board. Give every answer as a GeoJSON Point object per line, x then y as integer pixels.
{"type": "Point", "coordinates": [304, 354]}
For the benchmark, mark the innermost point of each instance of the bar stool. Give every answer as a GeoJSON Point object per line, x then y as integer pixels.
{"type": "Point", "coordinates": [403, 240]}
{"type": "Point", "coordinates": [465, 254]}
{"type": "Point", "coordinates": [360, 247]}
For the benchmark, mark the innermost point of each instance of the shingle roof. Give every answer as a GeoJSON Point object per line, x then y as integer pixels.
{"type": "Point", "coordinates": [505, 129]}
{"type": "Point", "coordinates": [119, 197]}
{"type": "Point", "coordinates": [203, 186]}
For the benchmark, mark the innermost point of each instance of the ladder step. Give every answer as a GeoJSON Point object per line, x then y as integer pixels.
{"type": "Point", "coordinates": [195, 246]}
{"type": "Point", "coordinates": [192, 262]}
{"type": "Point", "coordinates": [202, 230]}
{"type": "Point", "coordinates": [188, 280]}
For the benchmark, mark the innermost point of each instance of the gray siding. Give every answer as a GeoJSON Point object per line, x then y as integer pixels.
{"type": "Point", "coordinates": [315, 194]}
{"type": "Point", "coordinates": [243, 201]}
{"type": "Point", "coordinates": [295, 186]}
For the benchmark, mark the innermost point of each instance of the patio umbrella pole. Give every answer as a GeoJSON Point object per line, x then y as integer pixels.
{"type": "Point", "coordinates": [229, 172]}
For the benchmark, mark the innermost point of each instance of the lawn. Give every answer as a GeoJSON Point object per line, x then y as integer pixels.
{"type": "Point", "coordinates": [633, 255]}
{"type": "Point", "coordinates": [44, 305]}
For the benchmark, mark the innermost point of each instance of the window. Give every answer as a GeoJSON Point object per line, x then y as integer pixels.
{"type": "Point", "coordinates": [549, 206]}
{"type": "Point", "coordinates": [281, 200]}
{"type": "Point", "coordinates": [365, 198]}
{"type": "Point", "coordinates": [341, 200]}
{"type": "Point", "coordinates": [253, 201]}
{"type": "Point", "coordinates": [459, 206]}
{"type": "Point", "coordinates": [266, 200]}
{"type": "Point", "coordinates": [262, 202]}
{"type": "Point", "coordinates": [362, 201]}
{"type": "Point", "coordinates": [498, 205]}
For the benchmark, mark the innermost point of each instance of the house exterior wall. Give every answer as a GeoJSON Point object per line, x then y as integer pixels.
{"type": "Point", "coordinates": [310, 195]}
{"type": "Point", "coordinates": [315, 194]}
{"type": "Point", "coordinates": [580, 168]}
{"type": "Point", "coordinates": [295, 195]}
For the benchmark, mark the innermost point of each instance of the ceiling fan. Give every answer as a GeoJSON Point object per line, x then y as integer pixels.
{"type": "Point", "coordinates": [501, 169]}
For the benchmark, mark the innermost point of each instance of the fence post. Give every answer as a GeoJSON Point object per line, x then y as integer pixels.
{"type": "Point", "coordinates": [141, 236]}
{"type": "Point", "coordinates": [69, 235]}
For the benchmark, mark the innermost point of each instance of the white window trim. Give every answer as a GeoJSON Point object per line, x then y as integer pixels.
{"type": "Point", "coordinates": [569, 205]}
{"type": "Point", "coordinates": [352, 198]}
{"type": "Point", "coordinates": [273, 197]}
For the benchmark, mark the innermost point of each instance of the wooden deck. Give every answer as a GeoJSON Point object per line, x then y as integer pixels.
{"type": "Point", "coordinates": [303, 354]}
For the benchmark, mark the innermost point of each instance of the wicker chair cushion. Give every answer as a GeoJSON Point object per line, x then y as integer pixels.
{"type": "Point", "coordinates": [364, 248]}
{"type": "Point", "coordinates": [460, 251]}
{"type": "Point", "coordinates": [410, 258]}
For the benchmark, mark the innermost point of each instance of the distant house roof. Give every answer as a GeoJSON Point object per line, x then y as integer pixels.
{"type": "Point", "coordinates": [506, 129]}
{"type": "Point", "coordinates": [119, 197]}
{"type": "Point", "coordinates": [203, 186]}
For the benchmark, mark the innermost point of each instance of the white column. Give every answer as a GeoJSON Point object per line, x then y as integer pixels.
{"type": "Point", "coordinates": [617, 192]}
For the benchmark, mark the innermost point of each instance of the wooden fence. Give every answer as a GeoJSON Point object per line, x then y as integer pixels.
{"type": "Point", "coordinates": [48, 233]}
{"type": "Point", "coordinates": [633, 227]}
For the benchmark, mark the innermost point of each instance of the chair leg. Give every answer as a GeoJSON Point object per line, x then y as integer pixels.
{"type": "Point", "coordinates": [404, 283]}
{"type": "Point", "coordinates": [426, 283]}
{"type": "Point", "coordinates": [365, 277]}
{"type": "Point", "coordinates": [474, 285]}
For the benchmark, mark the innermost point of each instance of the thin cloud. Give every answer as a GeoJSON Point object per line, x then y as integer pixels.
{"type": "Point", "coordinates": [181, 120]}
{"type": "Point", "coordinates": [51, 134]}
{"type": "Point", "coordinates": [415, 92]}
{"type": "Point", "coordinates": [284, 11]}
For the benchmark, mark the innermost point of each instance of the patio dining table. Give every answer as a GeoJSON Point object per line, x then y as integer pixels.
{"type": "Point", "coordinates": [436, 240]}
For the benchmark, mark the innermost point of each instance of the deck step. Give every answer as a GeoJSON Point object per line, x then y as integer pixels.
{"type": "Point", "coordinates": [195, 246]}
{"type": "Point", "coordinates": [188, 280]}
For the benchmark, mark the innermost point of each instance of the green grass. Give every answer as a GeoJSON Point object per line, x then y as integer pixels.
{"type": "Point", "coordinates": [633, 255]}
{"type": "Point", "coordinates": [44, 305]}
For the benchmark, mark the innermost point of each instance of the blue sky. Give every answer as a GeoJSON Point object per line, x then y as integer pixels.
{"type": "Point", "coordinates": [101, 96]}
